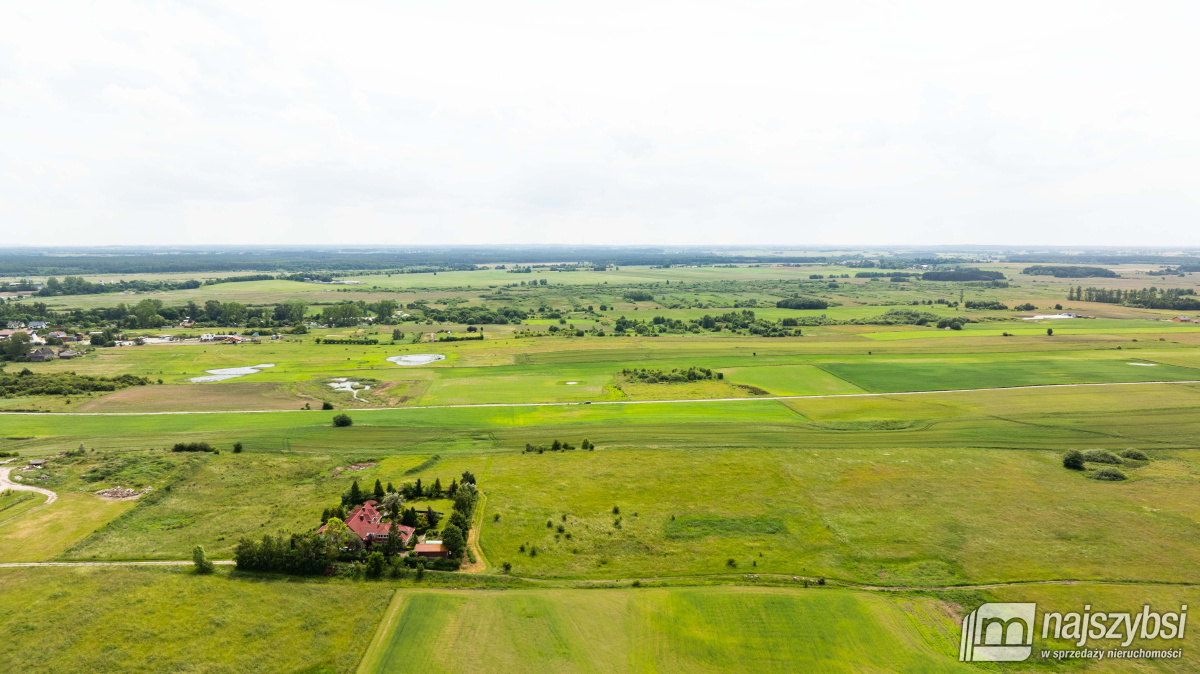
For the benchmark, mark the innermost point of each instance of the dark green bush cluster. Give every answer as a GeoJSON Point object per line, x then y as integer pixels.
{"type": "Point", "coordinates": [192, 447]}
{"type": "Point", "coordinates": [307, 554]}
{"type": "Point", "coordinates": [1102, 456]}
{"type": "Point", "coordinates": [558, 446]}
{"type": "Point", "coordinates": [1135, 454]}
{"type": "Point", "coordinates": [342, 420]}
{"type": "Point", "coordinates": [985, 304]}
{"type": "Point", "coordinates": [673, 376]}
{"type": "Point", "coordinates": [27, 383]}
{"type": "Point", "coordinates": [1073, 459]}
{"type": "Point", "coordinates": [802, 303]}
{"type": "Point", "coordinates": [1108, 475]}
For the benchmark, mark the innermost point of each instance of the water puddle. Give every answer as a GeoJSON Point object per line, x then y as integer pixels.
{"type": "Point", "coordinates": [230, 373]}
{"type": "Point", "coordinates": [417, 359]}
{"type": "Point", "coordinates": [345, 385]}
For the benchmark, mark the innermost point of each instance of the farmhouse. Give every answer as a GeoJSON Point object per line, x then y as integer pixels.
{"type": "Point", "coordinates": [15, 325]}
{"type": "Point", "coordinates": [366, 521]}
{"type": "Point", "coordinates": [40, 355]}
{"type": "Point", "coordinates": [37, 325]}
{"type": "Point", "coordinates": [1182, 319]}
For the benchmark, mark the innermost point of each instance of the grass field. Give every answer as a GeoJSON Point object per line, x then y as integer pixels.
{"type": "Point", "coordinates": [904, 456]}
{"type": "Point", "coordinates": [161, 619]}
{"type": "Point", "coordinates": [663, 630]}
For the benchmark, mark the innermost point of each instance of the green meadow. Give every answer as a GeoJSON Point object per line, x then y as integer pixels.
{"type": "Point", "coordinates": [867, 455]}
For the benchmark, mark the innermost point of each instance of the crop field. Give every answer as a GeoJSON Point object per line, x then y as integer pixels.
{"type": "Point", "coordinates": [662, 630]}
{"type": "Point", "coordinates": [860, 452]}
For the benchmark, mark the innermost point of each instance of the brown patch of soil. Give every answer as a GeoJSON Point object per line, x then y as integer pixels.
{"type": "Point", "coordinates": [355, 466]}
{"type": "Point", "coordinates": [198, 398]}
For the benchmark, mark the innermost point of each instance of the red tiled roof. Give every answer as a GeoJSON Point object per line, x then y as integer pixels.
{"type": "Point", "coordinates": [368, 524]}
{"type": "Point", "coordinates": [430, 547]}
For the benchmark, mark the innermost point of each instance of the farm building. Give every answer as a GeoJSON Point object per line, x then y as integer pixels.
{"type": "Point", "coordinates": [366, 521]}
{"type": "Point", "coordinates": [431, 549]}
{"type": "Point", "coordinates": [41, 355]}
{"type": "Point", "coordinates": [15, 325]}
{"type": "Point", "coordinates": [37, 463]}
{"type": "Point", "coordinates": [37, 325]}
{"type": "Point", "coordinates": [67, 354]}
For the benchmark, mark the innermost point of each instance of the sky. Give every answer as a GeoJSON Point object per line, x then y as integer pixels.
{"type": "Point", "coordinates": [784, 123]}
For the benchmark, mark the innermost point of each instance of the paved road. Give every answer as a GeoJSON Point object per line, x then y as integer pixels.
{"type": "Point", "coordinates": [608, 402]}
{"type": "Point", "coordinates": [5, 483]}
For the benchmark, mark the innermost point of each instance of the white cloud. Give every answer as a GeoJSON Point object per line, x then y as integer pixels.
{"type": "Point", "coordinates": [622, 122]}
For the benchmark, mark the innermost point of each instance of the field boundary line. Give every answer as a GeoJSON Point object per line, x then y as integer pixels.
{"type": "Point", "coordinates": [382, 631]}
{"type": "Point", "coordinates": [609, 402]}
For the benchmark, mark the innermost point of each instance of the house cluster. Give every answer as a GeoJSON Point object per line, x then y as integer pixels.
{"type": "Point", "coordinates": [367, 522]}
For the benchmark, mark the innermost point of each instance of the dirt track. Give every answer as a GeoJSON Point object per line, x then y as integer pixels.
{"type": "Point", "coordinates": [6, 483]}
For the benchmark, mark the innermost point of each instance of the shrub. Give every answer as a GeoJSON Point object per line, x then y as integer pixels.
{"type": "Point", "coordinates": [1135, 454]}
{"type": "Point", "coordinates": [192, 447]}
{"type": "Point", "coordinates": [375, 565]}
{"type": "Point", "coordinates": [1073, 460]}
{"type": "Point", "coordinates": [326, 405]}
{"type": "Point", "coordinates": [201, 561]}
{"type": "Point", "coordinates": [1109, 475]}
{"type": "Point", "coordinates": [237, 448]}
{"type": "Point", "coordinates": [342, 420]}
{"type": "Point", "coordinates": [1102, 456]}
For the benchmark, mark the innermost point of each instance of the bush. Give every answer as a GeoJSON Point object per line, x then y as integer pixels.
{"type": "Point", "coordinates": [342, 420]}
{"type": "Point", "coordinates": [1109, 475]}
{"type": "Point", "coordinates": [326, 405]}
{"type": "Point", "coordinates": [192, 447]}
{"type": "Point", "coordinates": [201, 561]}
{"type": "Point", "coordinates": [1135, 454]}
{"type": "Point", "coordinates": [237, 448]}
{"type": "Point", "coordinates": [1073, 460]}
{"type": "Point", "coordinates": [801, 303]}
{"type": "Point", "coordinates": [1102, 456]}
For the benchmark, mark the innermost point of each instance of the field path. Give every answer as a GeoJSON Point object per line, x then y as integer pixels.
{"type": "Point", "coordinates": [616, 583]}
{"type": "Point", "coordinates": [169, 562]}
{"type": "Point", "coordinates": [611, 402]}
{"type": "Point", "coordinates": [6, 483]}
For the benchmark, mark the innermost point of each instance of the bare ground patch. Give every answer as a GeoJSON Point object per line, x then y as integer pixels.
{"type": "Point", "coordinates": [192, 398]}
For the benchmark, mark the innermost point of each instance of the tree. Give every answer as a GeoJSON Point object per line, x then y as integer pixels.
{"type": "Point", "coordinates": [452, 538]}
{"type": "Point", "coordinates": [379, 493]}
{"type": "Point", "coordinates": [392, 547]}
{"type": "Point", "coordinates": [460, 520]}
{"type": "Point", "coordinates": [375, 565]}
{"type": "Point", "coordinates": [200, 560]}
{"type": "Point", "coordinates": [326, 405]}
{"type": "Point", "coordinates": [393, 505]}
{"type": "Point", "coordinates": [237, 448]}
{"type": "Point", "coordinates": [467, 477]}
{"type": "Point", "coordinates": [1073, 460]}
{"type": "Point", "coordinates": [436, 491]}
{"type": "Point", "coordinates": [1049, 332]}
{"type": "Point", "coordinates": [342, 420]}
{"type": "Point", "coordinates": [340, 535]}
{"type": "Point", "coordinates": [586, 444]}
{"type": "Point", "coordinates": [355, 495]}
{"type": "Point", "coordinates": [397, 335]}
{"type": "Point", "coordinates": [409, 518]}
{"type": "Point", "coordinates": [15, 347]}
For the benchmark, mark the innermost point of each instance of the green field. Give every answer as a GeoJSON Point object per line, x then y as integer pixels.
{"type": "Point", "coordinates": [865, 454]}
